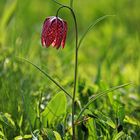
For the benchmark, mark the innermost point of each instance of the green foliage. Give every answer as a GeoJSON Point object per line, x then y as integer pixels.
{"type": "Point", "coordinates": [118, 136]}
{"type": "Point", "coordinates": [7, 15]}
{"type": "Point", "coordinates": [32, 106]}
{"type": "Point", "coordinates": [55, 109]}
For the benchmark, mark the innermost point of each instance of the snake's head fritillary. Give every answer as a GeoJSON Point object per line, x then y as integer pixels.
{"type": "Point", "coordinates": [54, 32]}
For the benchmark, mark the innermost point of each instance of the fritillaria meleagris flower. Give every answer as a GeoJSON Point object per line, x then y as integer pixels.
{"type": "Point", "coordinates": [54, 32]}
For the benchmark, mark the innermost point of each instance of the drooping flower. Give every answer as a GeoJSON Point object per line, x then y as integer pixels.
{"type": "Point", "coordinates": [54, 32]}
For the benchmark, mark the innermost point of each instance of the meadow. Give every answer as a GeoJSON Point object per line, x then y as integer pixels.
{"type": "Point", "coordinates": [33, 107]}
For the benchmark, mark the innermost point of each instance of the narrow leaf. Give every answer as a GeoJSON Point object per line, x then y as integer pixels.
{"type": "Point", "coordinates": [24, 137]}
{"type": "Point", "coordinates": [6, 118]}
{"type": "Point", "coordinates": [9, 10]}
{"type": "Point", "coordinates": [8, 13]}
{"type": "Point", "coordinates": [58, 2]}
{"type": "Point", "coordinates": [1, 134]}
{"type": "Point", "coordinates": [118, 136]}
{"type": "Point", "coordinates": [57, 135]}
{"type": "Point", "coordinates": [132, 120]}
{"type": "Point", "coordinates": [27, 136]}
{"type": "Point", "coordinates": [18, 138]}
{"type": "Point", "coordinates": [49, 133]}
{"type": "Point", "coordinates": [93, 98]}
{"type": "Point", "coordinates": [91, 26]}
{"type": "Point", "coordinates": [120, 113]}
{"type": "Point", "coordinates": [92, 130]}
{"type": "Point", "coordinates": [48, 76]}
{"type": "Point", "coordinates": [105, 119]}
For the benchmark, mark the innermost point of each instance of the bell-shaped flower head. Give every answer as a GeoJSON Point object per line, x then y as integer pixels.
{"type": "Point", "coordinates": [54, 32]}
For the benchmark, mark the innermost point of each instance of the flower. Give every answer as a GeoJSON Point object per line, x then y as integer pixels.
{"type": "Point", "coordinates": [54, 32]}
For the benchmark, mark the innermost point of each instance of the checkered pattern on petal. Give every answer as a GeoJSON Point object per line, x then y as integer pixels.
{"type": "Point", "coordinates": [54, 32]}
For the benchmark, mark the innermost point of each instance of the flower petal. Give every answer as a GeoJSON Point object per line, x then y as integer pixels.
{"type": "Point", "coordinates": [44, 31]}
{"type": "Point", "coordinates": [54, 32]}
{"type": "Point", "coordinates": [50, 34]}
{"type": "Point", "coordinates": [58, 33]}
{"type": "Point", "coordinates": [64, 34]}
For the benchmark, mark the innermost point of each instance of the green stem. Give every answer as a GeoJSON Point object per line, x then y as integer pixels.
{"type": "Point", "coordinates": [76, 67]}
{"type": "Point", "coordinates": [74, 92]}
{"type": "Point", "coordinates": [71, 4]}
{"type": "Point", "coordinates": [75, 75]}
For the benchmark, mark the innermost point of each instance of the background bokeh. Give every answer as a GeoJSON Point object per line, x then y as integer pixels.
{"type": "Point", "coordinates": [109, 56]}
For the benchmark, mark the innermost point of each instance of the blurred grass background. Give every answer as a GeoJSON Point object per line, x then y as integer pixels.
{"type": "Point", "coordinates": [109, 55]}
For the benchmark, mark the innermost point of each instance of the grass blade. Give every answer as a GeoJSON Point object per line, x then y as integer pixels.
{"type": "Point", "coordinates": [8, 12]}
{"type": "Point", "coordinates": [118, 136]}
{"type": "Point", "coordinates": [100, 95]}
{"type": "Point", "coordinates": [91, 26]}
{"type": "Point", "coordinates": [54, 109]}
{"type": "Point", "coordinates": [48, 76]}
{"type": "Point", "coordinates": [57, 2]}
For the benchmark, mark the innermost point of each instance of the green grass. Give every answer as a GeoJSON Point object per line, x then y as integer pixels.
{"type": "Point", "coordinates": [108, 57]}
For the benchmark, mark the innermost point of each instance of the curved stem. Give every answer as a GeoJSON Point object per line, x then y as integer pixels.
{"type": "Point", "coordinates": [58, 3]}
{"type": "Point", "coordinates": [76, 67]}
{"type": "Point", "coordinates": [71, 4]}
